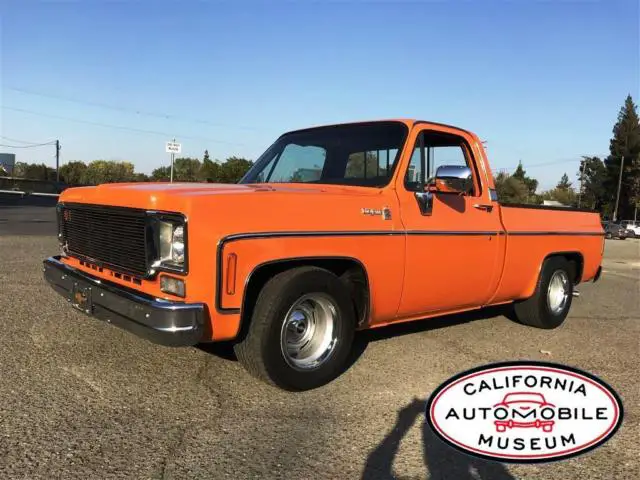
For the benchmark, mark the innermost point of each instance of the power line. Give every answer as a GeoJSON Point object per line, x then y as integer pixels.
{"type": "Point", "coordinates": [552, 162]}
{"type": "Point", "coordinates": [27, 146]}
{"type": "Point", "coordinates": [118, 127]}
{"type": "Point", "coordinates": [25, 142]}
{"type": "Point", "coordinates": [165, 116]}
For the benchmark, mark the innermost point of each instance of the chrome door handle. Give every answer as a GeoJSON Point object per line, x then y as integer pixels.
{"type": "Point", "coordinates": [483, 206]}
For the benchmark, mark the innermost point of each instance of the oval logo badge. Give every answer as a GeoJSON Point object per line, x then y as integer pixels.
{"type": "Point", "coordinates": [524, 412]}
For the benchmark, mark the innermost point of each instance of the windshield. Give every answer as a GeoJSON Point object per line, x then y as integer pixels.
{"type": "Point", "coordinates": [363, 154]}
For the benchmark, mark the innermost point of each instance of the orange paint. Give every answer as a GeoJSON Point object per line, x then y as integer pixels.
{"type": "Point", "coordinates": [467, 253]}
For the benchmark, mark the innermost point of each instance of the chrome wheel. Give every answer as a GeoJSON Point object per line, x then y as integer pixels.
{"type": "Point", "coordinates": [309, 334]}
{"type": "Point", "coordinates": [558, 292]}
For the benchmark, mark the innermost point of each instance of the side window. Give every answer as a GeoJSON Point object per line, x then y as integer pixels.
{"type": "Point", "coordinates": [414, 178]}
{"type": "Point", "coordinates": [371, 164]}
{"type": "Point", "coordinates": [298, 163]}
{"type": "Point", "coordinates": [447, 155]}
{"type": "Point", "coordinates": [431, 151]}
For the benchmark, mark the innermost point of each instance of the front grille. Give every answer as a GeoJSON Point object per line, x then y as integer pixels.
{"type": "Point", "coordinates": [111, 236]}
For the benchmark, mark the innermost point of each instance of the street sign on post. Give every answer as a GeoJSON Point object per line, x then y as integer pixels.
{"type": "Point", "coordinates": [173, 148]}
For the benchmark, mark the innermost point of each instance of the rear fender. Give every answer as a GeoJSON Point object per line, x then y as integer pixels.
{"type": "Point", "coordinates": [573, 256]}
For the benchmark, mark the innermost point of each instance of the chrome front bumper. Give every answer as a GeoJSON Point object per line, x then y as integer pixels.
{"type": "Point", "coordinates": [159, 321]}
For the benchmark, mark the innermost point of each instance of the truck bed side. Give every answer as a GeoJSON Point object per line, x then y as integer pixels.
{"type": "Point", "coordinates": [535, 232]}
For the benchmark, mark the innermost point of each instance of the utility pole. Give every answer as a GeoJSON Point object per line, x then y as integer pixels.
{"type": "Point", "coordinates": [615, 211]}
{"type": "Point", "coordinates": [172, 155]}
{"type": "Point", "coordinates": [57, 160]}
{"type": "Point", "coordinates": [581, 175]}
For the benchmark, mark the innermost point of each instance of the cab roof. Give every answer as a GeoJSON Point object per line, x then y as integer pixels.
{"type": "Point", "coordinates": [409, 122]}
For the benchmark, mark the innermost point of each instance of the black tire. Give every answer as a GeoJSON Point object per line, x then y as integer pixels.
{"type": "Point", "coordinates": [535, 311]}
{"type": "Point", "coordinates": [260, 351]}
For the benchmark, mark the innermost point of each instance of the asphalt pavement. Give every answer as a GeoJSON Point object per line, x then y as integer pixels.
{"type": "Point", "coordinates": [27, 219]}
{"type": "Point", "coordinates": [82, 399]}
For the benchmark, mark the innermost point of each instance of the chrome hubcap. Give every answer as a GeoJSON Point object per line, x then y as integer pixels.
{"type": "Point", "coordinates": [558, 292]}
{"type": "Point", "coordinates": [309, 332]}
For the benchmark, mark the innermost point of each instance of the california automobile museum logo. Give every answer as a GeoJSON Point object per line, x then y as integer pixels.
{"type": "Point", "coordinates": [524, 412]}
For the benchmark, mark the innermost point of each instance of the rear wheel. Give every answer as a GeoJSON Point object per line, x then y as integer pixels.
{"type": "Point", "coordinates": [301, 330]}
{"type": "Point", "coordinates": [551, 301]}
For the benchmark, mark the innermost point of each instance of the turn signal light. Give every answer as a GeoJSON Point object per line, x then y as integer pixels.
{"type": "Point", "coordinates": [172, 285]}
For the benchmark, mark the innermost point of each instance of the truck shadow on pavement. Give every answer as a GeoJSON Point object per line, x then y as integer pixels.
{"type": "Point", "coordinates": [224, 350]}
{"type": "Point", "coordinates": [441, 461]}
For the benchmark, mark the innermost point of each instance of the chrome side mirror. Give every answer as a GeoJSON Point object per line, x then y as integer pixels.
{"type": "Point", "coordinates": [452, 179]}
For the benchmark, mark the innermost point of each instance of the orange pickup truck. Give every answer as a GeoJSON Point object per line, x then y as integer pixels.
{"type": "Point", "coordinates": [334, 229]}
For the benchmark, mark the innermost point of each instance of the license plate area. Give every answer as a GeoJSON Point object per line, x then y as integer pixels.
{"type": "Point", "coordinates": [80, 298]}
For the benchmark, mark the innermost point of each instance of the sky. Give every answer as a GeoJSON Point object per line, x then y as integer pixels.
{"type": "Point", "coordinates": [541, 82]}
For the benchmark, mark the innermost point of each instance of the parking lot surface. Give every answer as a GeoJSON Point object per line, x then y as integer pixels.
{"type": "Point", "coordinates": [83, 399]}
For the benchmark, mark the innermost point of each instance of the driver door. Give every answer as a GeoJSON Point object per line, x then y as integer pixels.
{"type": "Point", "coordinates": [453, 240]}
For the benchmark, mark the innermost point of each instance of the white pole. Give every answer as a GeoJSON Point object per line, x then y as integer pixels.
{"type": "Point", "coordinates": [172, 156]}
{"type": "Point", "coordinates": [615, 211]}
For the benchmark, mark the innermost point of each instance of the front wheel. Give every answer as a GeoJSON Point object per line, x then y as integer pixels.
{"type": "Point", "coordinates": [301, 330]}
{"type": "Point", "coordinates": [551, 301]}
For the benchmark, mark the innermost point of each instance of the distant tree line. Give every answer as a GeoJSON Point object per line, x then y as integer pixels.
{"type": "Point", "coordinates": [109, 171]}
{"type": "Point", "coordinates": [596, 187]}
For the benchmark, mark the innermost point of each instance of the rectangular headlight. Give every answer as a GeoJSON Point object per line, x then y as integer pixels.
{"type": "Point", "coordinates": [170, 243]}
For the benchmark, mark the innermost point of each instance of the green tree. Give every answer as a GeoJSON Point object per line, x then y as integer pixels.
{"type": "Point", "coordinates": [186, 169]}
{"type": "Point", "coordinates": [591, 176]}
{"type": "Point", "coordinates": [206, 156]}
{"type": "Point", "coordinates": [564, 183]}
{"type": "Point", "coordinates": [531, 183]}
{"type": "Point", "coordinates": [510, 189]}
{"type": "Point", "coordinates": [625, 142]}
{"type": "Point", "coordinates": [20, 169]}
{"type": "Point", "coordinates": [566, 196]}
{"type": "Point", "coordinates": [33, 171]}
{"type": "Point", "coordinates": [209, 171]}
{"type": "Point", "coordinates": [108, 171]}
{"type": "Point", "coordinates": [233, 169]}
{"type": "Point", "coordinates": [161, 174]}
{"type": "Point", "coordinates": [72, 172]}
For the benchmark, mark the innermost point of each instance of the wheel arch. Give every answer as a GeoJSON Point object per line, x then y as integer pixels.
{"type": "Point", "coordinates": [575, 259]}
{"type": "Point", "coordinates": [350, 269]}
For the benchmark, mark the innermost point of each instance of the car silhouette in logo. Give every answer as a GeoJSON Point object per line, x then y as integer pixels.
{"type": "Point", "coordinates": [524, 405]}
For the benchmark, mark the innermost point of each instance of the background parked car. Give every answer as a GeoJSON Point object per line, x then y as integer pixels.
{"type": "Point", "coordinates": [633, 228]}
{"type": "Point", "coordinates": [614, 230]}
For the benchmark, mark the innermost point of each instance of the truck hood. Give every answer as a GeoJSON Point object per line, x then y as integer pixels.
{"type": "Point", "coordinates": [178, 196]}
